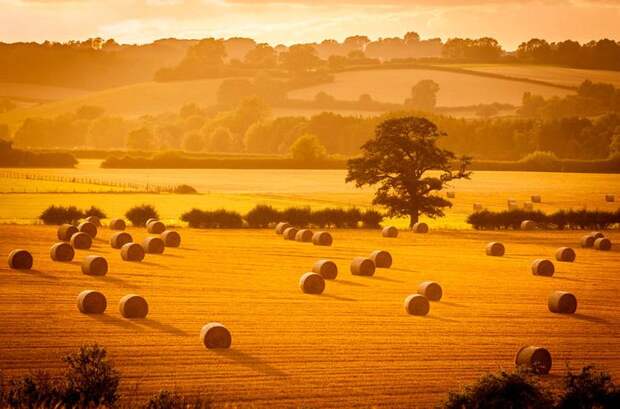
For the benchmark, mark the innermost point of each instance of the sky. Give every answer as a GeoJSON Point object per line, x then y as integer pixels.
{"type": "Point", "coordinates": [294, 21]}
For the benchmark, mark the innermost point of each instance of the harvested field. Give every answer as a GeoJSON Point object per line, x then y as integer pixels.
{"type": "Point", "coordinates": [331, 350]}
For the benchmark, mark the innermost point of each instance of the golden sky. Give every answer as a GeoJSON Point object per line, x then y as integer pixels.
{"type": "Point", "coordinates": [291, 21]}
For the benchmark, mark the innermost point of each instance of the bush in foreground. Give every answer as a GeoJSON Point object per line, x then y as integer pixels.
{"type": "Point", "coordinates": [61, 215]}
{"type": "Point", "coordinates": [589, 389]}
{"type": "Point", "coordinates": [95, 211]}
{"type": "Point", "coordinates": [138, 215]}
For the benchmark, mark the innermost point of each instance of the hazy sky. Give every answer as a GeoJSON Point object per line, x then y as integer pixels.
{"type": "Point", "coordinates": [290, 21]}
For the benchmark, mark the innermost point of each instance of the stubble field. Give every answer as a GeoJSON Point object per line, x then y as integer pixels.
{"type": "Point", "coordinates": [352, 346]}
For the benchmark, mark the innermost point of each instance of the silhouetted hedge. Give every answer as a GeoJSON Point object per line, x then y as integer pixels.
{"type": "Point", "coordinates": [15, 158]}
{"type": "Point", "coordinates": [263, 216]}
{"type": "Point", "coordinates": [138, 215]}
{"type": "Point", "coordinates": [561, 219]}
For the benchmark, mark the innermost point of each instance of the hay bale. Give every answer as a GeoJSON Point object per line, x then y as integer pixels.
{"type": "Point", "coordinates": [603, 244]}
{"type": "Point", "coordinates": [304, 236]}
{"type": "Point", "coordinates": [610, 198]}
{"type": "Point", "coordinates": [20, 259]}
{"type": "Point", "coordinates": [528, 225]}
{"type": "Point", "coordinates": [65, 231]}
{"type": "Point", "coordinates": [119, 239]}
{"type": "Point", "coordinates": [94, 220]}
{"type": "Point", "coordinates": [535, 359]}
{"type": "Point", "coordinates": [543, 267]}
{"type": "Point", "coordinates": [431, 290]}
{"type": "Point", "coordinates": [381, 258]}
{"type": "Point", "coordinates": [153, 245]}
{"type": "Point", "coordinates": [215, 335]}
{"type": "Point", "coordinates": [62, 252]}
{"type": "Point", "coordinates": [326, 268]}
{"type": "Point", "coordinates": [280, 227]}
{"type": "Point", "coordinates": [597, 235]}
{"type": "Point", "coordinates": [450, 195]}
{"type": "Point", "coordinates": [322, 238]}
{"type": "Point", "coordinates": [94, 266]}
{"type": "Point", "coordinates": [88, 228]}
{"type": "Point", "coordinates": [312, 283]}
{"type": "Point", "coordinates": [152, 219]}
{"type": "Point", "coordinates": [132, 252]}
{"type": "Point", "coordinates": [133, 306]}
{"type": "Point", "coordinates": [496, 249]}
{"type": "Point", "coordinates": [528, 206]}
{"type": "Point", "coordinates": [587, 241]}
{"type": "Point", "coordinates": [117, 224]}
{"type": "Point", "coordinates": [420, 227]}
{"type": "Point", "coordinates": [389, 231]}
{"type": "Point", "coordinates": [91, 302]}
{"type": "Point", "coordinates": [289, 233]}
{"type": "Point", "coordinates": [81, 241]}
{"type": "Point", "coordinates": [478, 207]}
{"type": "Point", "coordinates": [416, 304]}
{"type": "Point", "coordinates": [362, 266]}
{"type": "Point", "coordinates": [171, 238]}
{"type": "Point", "coordinates": [562, 302]}
{"type": "Point", "coordinates": [536, 199]}
{"type": "Point", "coordinates": [565, 254]}
{"type": "Point", "coordinates": [156, 227]}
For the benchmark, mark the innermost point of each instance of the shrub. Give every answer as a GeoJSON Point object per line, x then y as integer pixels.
{"type": "Point", "coordinates": [33, 391]}
{"type": "Point", "coordinates": [61, 215]}
{"type": "Point", "coordinates": [90, 378]}
{"type": "Point", "coordinates": [94, 211]}
{"type": "Point", "coordinates": [576, 219]}
{"type": "Point", "coordinates": [352, 218]}
{"type": "Point", "coordinates": [205, 219]}
{"type": "Point", "coordinates": [371, 219]}
{"type": "Point", "coordinates": [505, 390]}
{"type": "Point", "coordinates": [542, 161]}
{"type": "Point", "coordinates": [262, 216]}
{"type": "Point", "coordinates": [166, 400]}
{"type": "Point", "coordinates": [138, 215]}
{"type": "Point", "coordinates": [589, 389]}
{"type": "Point", "coordinates": [184, 190]}
{"type": "Point", "coordinates": [297, 216]}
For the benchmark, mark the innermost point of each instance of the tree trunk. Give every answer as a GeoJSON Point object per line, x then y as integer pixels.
{"type": "Point", "coordinates": [413, 219]}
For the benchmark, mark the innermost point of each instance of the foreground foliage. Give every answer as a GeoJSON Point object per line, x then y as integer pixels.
{"type": "Point", "coordinates": [70, 214]}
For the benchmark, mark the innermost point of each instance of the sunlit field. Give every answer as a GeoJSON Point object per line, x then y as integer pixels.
{"type": "Point", "coordinates": [353, 345]}
{"type": "Point", "coordinates": [454, 89]}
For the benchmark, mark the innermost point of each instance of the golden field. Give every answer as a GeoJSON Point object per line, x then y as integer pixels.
{"type": "Point", "coordinates": [352, 346]}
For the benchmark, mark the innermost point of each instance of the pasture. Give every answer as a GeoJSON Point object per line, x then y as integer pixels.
{"type": "Point", "coordinates": [354, 345]}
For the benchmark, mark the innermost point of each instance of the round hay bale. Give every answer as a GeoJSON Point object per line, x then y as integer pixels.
{"type": "Point", "coordinates": [562, 302]}
{"type": "Point", "coordinates": [20, 259]}
{"type": "Point", "coordinates": [420, 228]}
{"type": "Point", "coordinates": [117, 224]}
{"type": "Point", "coordinates": [65, 231]}
{"type": "Point", "coordinates": [450, 195]}
{"type": "Point", "coordinates": [94, 266]}
{"type": "Point", "coordinates": [597, 235]}
{"type": "Point", "coordinates": [280, 227]}
{"type": "Point", "coordinates": [536, 199]}
{"type": "Point", "coordinates": [62, 252]}
{"type": "Point", "coordinates": [156, 227]}
{"type": "Point", "coordinates": [565, 254]}
{"type": "Point", "coordinates": [362, 266]}
{"type": "Point", "coordinates": [118, 240]}
{"type": "Point", "coordinates": [153, 245]}
{"type": "Point", "coordinates": [91, 302]}
{"type": "Point", "coordinates": [289, 233]}
{"type": "Point", "coordinates": [610, 198]}
{"type": "Point", "coordinates": [133, 306]}
{"type": "Point", "coordinates": [81, 241]}
{"type": "Point", "coordinates": [88, 228]}
{"type": "Point", "coordinates": [535, 359]}
{"type": "Point", "coordinates": [94, 220]}
{"type": "Point", "coordinates": [543, 267]}
{"type": "Point", "coordinates": [496, 249]}
{"type": "Point", "coordinates": [603, 244]}
{"type": "Point", "coordinates": [312, 283]}
{"type": "Point", "coordinates": [389, 231]}
{"type": "Point", "coordinates": [587, 241]}
{"type": "Point", "coordinates": [171, 238]}
{"type": "Point", "coordinates": [322, 238]}
{"type": "Point", "coordinates": [304, 235]}
{"type": "Point", "coordinates": [152, 219]}
{"type": "Point", "coordinates": [478, 207]}
{"type": "Point", "coordinates": [431, 290]}
{"type": "Point", "coordinates": [416, 304]}
{"type": "Point", "coordinates": [132, 252]}
{"type": "Point", "coordinates": [326, 268]}
{"type": "Point", "coordinates": [215, 335]}
{"type": "Point", "coordinates": [381, 258]}
{"type": "Point", "coordinates": [528, 225]}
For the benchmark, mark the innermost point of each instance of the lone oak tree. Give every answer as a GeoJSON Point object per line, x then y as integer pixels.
{"type": "Point", "coordinates": [399, 158]}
